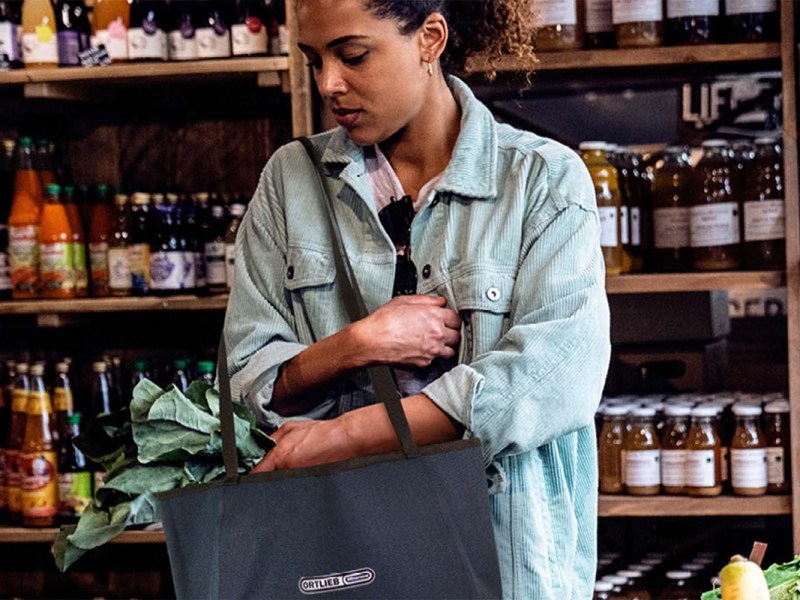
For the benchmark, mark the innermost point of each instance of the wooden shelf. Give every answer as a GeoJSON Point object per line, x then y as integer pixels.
{"type": "Point", "coordinates": [22, 535]}
{"type": "Point", "coordinates": [694, 282]}
{"type": "Point", "coordinates": [101, 305]}
{"type": "Point", "coordinates": [685, 506]}
{"type": "Point", "coordinates": [581, 60]}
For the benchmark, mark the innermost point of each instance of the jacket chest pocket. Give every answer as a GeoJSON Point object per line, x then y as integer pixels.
{"type": "Point", "coordinates": [309, 282]}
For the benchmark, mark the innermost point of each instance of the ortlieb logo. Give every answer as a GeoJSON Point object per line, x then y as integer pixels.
{"type": "Point", "coordinates": [336, 581]}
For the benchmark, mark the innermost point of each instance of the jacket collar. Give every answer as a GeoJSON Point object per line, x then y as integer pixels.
{"type": "Point", "coordinates": [472, 171]}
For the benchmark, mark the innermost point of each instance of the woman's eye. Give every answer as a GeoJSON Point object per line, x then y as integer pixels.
{"type": "Point", "coordinates": [354, 60]}
{"type": "Point", "coordinates": [314, 63]}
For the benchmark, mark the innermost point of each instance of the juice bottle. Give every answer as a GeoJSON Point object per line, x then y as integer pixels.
{"type": "Point", "coordinates": [703, 454]}
{"type": "Point", "coordinates": [19, 411]}
{"type": "Point", "coordinates": [673, 449]}
{"type": "Point", "coordinates": [79, 265]}
{"type": "Point", "coordinates": [609, 205]}
{"type": "Point", "coordinates": [611, 449]}
{"type": "Point", "coordinates": [779, 452]}
{"type": "Point", "coordinates": [23, 225]}
{"type": "Point", "coordinates": [72, 24]}
{"type": "Point", "coordinates": [642, 454]}
{"type": "Point", "coordinates": [638, 23]}
{"type": "Point", "coordinates": [63, 401]}
{"type": "Point", "coordinates": [39, 41]}
{"type": "Point", "coordinates": [38, 457]}
{"type": "Point", "coordinates": [139, 244]}
{"type": "Point", "coordinates": [671, 243]}
{"type": "Point", "coordinates": [748, 452]}
{"type": "Point", "coordinates": [249, 30]}
{"type": "Point", "coordinates": [99, 236]}
{"type": "Point", "coordinates": [119, 266]}
{"type": "Point", "coordinates": [55, 238]}
{"type": "Point", "coordinates": [6, 194]}
{"type": "Point", "coordinates": [111, 19]}
{"type": "Point", "coordinates": [764, 213]}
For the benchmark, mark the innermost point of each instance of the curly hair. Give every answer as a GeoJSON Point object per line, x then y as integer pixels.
{"type": "Point", "coordinates": [490, 28]}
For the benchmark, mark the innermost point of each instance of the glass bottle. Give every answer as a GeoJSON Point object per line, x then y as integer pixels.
{"type": "Point", "coordinates": [6, 195]}
{"type": "Point", "coordinates": [238, 209]}
{"type": "Point", "coordinates": [213, 31]}
{"type": "Point", "coordinates": [63, 401]}
{"type": "Point", "coordinates": [673, 449]}
{"type": "Point", "coordinates": [56, 263]}
{"type": "Point", "coordinates": [196, 209]}
{"type": "Point", "coordinates": [560, 25]}
{"type": "Point", "coordinates": [205, 371]}
{"type": "Point", "coordinates": [19, 415]}
{"type": "Point", "coordinates": [277, 29]}
{"type": "Point", "coordinates": [43, 163]}
{"type": "Point", "coordinates": [101, 389]}
{"type": "Point", "coordinates": [79, 263]}
{"type": "Point", "coordinates": [714, 214]}
{"type": "Point", "coordinates": [182, 30]}
{"type": "Point", "coordinates": [214, 251]}
{"type": "Point", "coordinates": [9, 32]}
{"type": "Point", "coordinates": [777, 438]}
{"type": "Point", "coordinates": [119, 266]}
{"type": "Point", "coordinates": [752, 20]}
{"type": "Point", "coordinates": [110, 22]}
{"type": "Point", "coordinates": [616, 157]}
{"type": "Point", "coordinates": [73, 31]}
{"type": "Point", "coordinates": [693, 22]}
{"type": "Point", "coordinates": [100, 225]}
{"type": "Point", "coordinates": [638, 23]}
{"type": "Point", "coordinates": [671, 244]}
{"type": "Point", "coordinates": [185, 242]}
{"type": "Point", "coordinates": [180, 375]}
{"type": "Point", "coordinates": [39, 41]}
{"type": "Point", "coordinates": [139, 244]}
{"type": "Point", "coordinates": [748, 452]}
{"type": "Point", "coordinates": [599, 25]}
{"type": "Point", "coordinates": [23, 225]}
{"type": "Point", "coordinates": [703, 469]}
{"type": "Point", "coordinates": [147, 40]}
{"type": "Point", "coordinates": [140, 372]}
{"type": "Point", "coordinates": [611, 446]}
{"type": "Point", "coordinates": [74, 476]}
{"type": "Point", "coordinates": [609, 205]}
{"type": "Point", "coordinates": [764, 215]}
{"type": "Point", "coordinates": [642, 454]}
{"type": "Point", "coordinates": [167, 259]}
{"type": "Point", "coordinates": [249, 30]}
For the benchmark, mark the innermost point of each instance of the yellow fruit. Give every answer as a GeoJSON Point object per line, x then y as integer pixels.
{"type": "Point", "coordinates": [743, 580]}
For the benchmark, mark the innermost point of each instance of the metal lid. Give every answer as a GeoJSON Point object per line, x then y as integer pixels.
{"type": "Point", "coordinates": [615, 579]}
{"type": "Point", "coordinates": [629, 573]}
{"type": "Point", "coordinates": [677, 410]}
{"type": "Point", "coordinates": [679, 575]}
{"type": "Point", "coordinates": [594, 145]}
{"type": "Point", "coordinates": [714, 143]}
{"type": "Point", "coordinates": [746, 410]}
{"type": "Point", "coordinates": [603, 586]}
{"type": "Point", "coordinates": [37, 370]}
{"type": "Point", "coordinates": [777, 406]}
{"type": "Point", "coordinates": [620, 410]}
{"type": "Point", "coordinates": [99, 366]}
{"type": "Point", "coordinates": [644, 411]}
{"type": "Point", "coordinates": [705, 411]}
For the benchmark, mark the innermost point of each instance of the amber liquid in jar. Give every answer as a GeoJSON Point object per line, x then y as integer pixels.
{"type": "Point", "coordinates": [599, 25]}
{"type": "Point", "coordinates": [609, 204]}
{"type": "Point", "coordinates": [748, 453]}
{"type": "Point", "coordinates": [671, 244]}
{"type": "Point", "coordinates": [642, 455]}
{"type": "Point", "coordinates": [778, 441]}
{"type": "Point", "coordinates": [752, 20]}
{"type": "Point", "coordinates": [703, 474]}
{"type": "Point", "coordinates": [764, 214]}
{"type": "Point", "coordinates": [561, 25]}
{"type": "Point", "coordinates": [673, 449]}
{"type": "Point", "coordinates": [638, 23]}
{"type": "Point", "coordinates": [610, 450]}
{"type": "Point", "coordinates": [693, 22]}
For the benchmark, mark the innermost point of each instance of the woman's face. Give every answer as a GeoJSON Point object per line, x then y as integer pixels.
{"type": "Point", "coordinates": [371, 77]}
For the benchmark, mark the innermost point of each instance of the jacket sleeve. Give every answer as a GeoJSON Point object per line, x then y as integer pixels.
{"type": "Point", "coordinates": [544, 378]}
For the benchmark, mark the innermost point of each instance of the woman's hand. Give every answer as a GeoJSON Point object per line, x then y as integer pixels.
{"type": "Point", "coordinates": [410, 331]}
{"type": "Point", "coordinates": [304, 444]}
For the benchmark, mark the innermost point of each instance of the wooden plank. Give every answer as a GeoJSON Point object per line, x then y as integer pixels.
{"type": "Point", "coordinates": [102, 305]}
{"type": "Point", "coordinates": [299, 80]}
{"type": "Point", "coordinates": [23, 535]}
{"type": "Point", "coordinates": [693, 282]}
{"type": "Point", "coordinates": [685, 506]}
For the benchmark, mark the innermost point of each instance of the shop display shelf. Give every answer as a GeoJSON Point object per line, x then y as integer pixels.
{"type": "Point", "coordinates": [105, 305]}
{"type": "Point", "coordinates": [694, 282]}
{"type": "Point", "coordinates": [686, 506]}
{"type": "Point", "coordinates": [23, 535]}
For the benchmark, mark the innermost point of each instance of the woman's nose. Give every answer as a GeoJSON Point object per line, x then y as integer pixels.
{"type": "Point", "coordinates": [330, 81]}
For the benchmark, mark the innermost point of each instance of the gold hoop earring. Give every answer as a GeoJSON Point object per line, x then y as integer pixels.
{"type": "Point", "coordinates": [430, 69]}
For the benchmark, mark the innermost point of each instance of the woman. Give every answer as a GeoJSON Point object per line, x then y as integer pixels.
{"type": "Point", "coordinates": [489, 306]}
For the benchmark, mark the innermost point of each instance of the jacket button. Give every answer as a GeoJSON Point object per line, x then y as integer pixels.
{"type": "Point", "coordinates": [290, 272]}
{"type": "Point", "coordinates": [426, 271]}
{"type": "Point", "coordinates": [493, 294]}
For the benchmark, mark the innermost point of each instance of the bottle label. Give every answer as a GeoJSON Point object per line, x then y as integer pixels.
{"type": "Point", "coordinates": [625, 226]}
{"type": "Point", "coordinates": [249, 38]}
{"type": "Point", "coordinates": [144, 44]}
{"type": "Point", "coordinates": [199, 269]}
{"type": "Point", "coordinates": [609, 226]}
{"type": "Point", "coordinates": [23, 251]}
{"type": "Point", "coordinates": [119, 269]}
{"type": "Point", "coordinates": [636, 11]}
{"type": "Point", "coordinates": [74, 492]}
{"type": "Point", "coordinates": [13, 481]}
{"type": "Point", "coordinates": [230, 264]}
{"type": "Point", "coordinates": [775, 466]}
{"type": "Point", "coordinates": [39, 484]}
{"type": "Point", "coordinates": [714, 225]}
{"type": "Point", "coordinates": [642, 468]}
{"type": "Point", "coordinates": [692, 8]}
{"type": "Point", "coordinates": [598, 16]}
{"type": "Point", "coordinates": [557, 12]}
{"type": "Point", "coordinates": [62, 400]}
{"type": "Point", "coordinates": [740, 7]}
{"type": "Point", "coordinates": [182, 47]}
{"type": "Point", "coordinates": [57, 272]}
{"type": "Point", "coordinates": [215, 263]}
{"type": "Point", "coordinates": [5, 263]}
{"type": "Point", "coordinates": [41, 46]}
{"type": "Point", "coordinates": [79, 265]}
{"type": "Point", "coordinates": [764, 221]}
{"type": "Point", "coordinates": [749, 468]}
{"type": "Point", "coordinates": [213, 43]}
{"type": "Point", "coordinates": [19, 401]}
{"type": "Point", "coordinates": [671, 227]}
{"type": "Point", "coordinates": [69, 47]}
{"type": "Point", "coordinates": [139, 264]}
{"type": "Point", "coordinates": [168, 270]}
{"type": "Point", "coordinates": [700, 468]}
{"type": "Point", "coordinates": [39, 403]}
{"type": "Point", "coordinates": [98, 261]}
{"type": "Point", "coordinates": [673, 468]}
{"type": "Point", "coordinates": [115, 39]}
{"type": "Point", "coordinates": [9, 45]}
{"type": "Point", "coordinates": [636, 226]}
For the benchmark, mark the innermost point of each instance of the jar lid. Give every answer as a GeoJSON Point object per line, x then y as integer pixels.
{"type": "Point", "coordinates": [777, 406]}
{"type": "Point", "coordinates": [620, 410]}
{"type": "Point", "coordinates": [595, 145]}
{"type": "Point", "coordinates": [705, 411]}
{"type": "Point", "coordinates": [629, 573]}
{"type": "Point", "coordinates": [615, 579]}
{"type": "Point", "coordinates": [768, 139]}
{"type": "Point", "coordinates": [714, 143]}
{"type": "Point", "coordinates": [603, 586]}
{"type": "Point", "coordinates": [652, 561]}
{"type": "Point", "coordinates": [641, 568]}
{"type": "Point", "coordinates": [692, 567]}
{"type": "Point", "coordinates": [678, 410]}
{"type": "Point", "coordinates": [62, 367]}
{"type": "Point", "coordinates": [644, 411]}
{"type": "Point", "coordinates": [37, 370]}
{"type": "Point", "coordinates": [678, 574]}
{"type": "Point", "coordinates": [746, 410]}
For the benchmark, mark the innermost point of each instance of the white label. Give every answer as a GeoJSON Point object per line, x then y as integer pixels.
{"type": "Point", "coordinates": [245, 41]}
{"type": "Point", "coordinates": [8, 40]}
{"type": "Point", "coordinates": [230, 263]}
{"type": "Point", "coordinates": [115, 39]}
{"type": "Point", "coordinates": [635, 11]}
{"type": "Point", "coordinates": [557, 12]}
{"type": "Point", "coordinates": [700, 468]}
{"type": "Point", "coordinates": [636, 226]}
{"type": "Point", "coordinates": [749, 468]}
{"type": "Point", "coordinates": [643, 468]}
{"type": "Point", "coordinates": [144, 45]}
{"type": "Point", "coordinates": [609, 226]}
{"type": "Point", "coordinates": [119, 269]}
{"type": "Point", "coordinates": [764, 221]}
{"type": "Point", "coordinates": [673, 468]}
{"type": "Point", "coordinates": [598, 16]}
{"type": "Point", "coordinates": [671, 227]}
{"type": "Point", "coordinates": [182, 48]}
{"type": "Point", "coordinates": [692, 8]}
{"type": "Point", "coordinates": [739, 7]}
{"type": "Point", "coordinates": [40, 47]}
{"type": "Point", "coordinates": [625, 226]}
{"type": "Point", "coordinates": [170, 270]}
{"type": "Point", "coordinates": [714, 225]}
{"type": "Point", "coordinates": [215, 263]}
{"type": "Point", "coordinates": [212, 45]}
{"type": "Point", "coordinates": [775, 466]}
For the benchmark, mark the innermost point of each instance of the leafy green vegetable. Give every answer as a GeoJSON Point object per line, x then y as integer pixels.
{"type": "Point", "coordinates": [783, 582]}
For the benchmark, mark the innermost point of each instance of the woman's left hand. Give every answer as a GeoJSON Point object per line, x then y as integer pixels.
{"type": "Point", "coordinates": [306, 443]}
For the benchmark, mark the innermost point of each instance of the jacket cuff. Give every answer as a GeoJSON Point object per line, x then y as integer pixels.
{"type": "Point", "coordinates": [455, 392]}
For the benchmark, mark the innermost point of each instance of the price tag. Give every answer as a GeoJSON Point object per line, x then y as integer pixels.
{"type": "Point", "coordinates": [95, 57]}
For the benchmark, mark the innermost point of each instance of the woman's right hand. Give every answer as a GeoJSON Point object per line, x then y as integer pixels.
{"type": "Point", "coordinates": [410, 331]}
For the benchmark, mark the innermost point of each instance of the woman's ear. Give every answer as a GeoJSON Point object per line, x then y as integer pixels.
{"type": "Point", "coordinates": [433, 36]}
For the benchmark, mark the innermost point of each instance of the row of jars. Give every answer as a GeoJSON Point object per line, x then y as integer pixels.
{"type": "Point", "coordinates": [591, 24]}
{"type": "Point", "coordinates": [662, 213]}
{"type": "Point", "coordinates": [699, 449]}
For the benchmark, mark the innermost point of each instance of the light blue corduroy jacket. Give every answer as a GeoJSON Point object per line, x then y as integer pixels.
{"type": "Point", "coordinates": [511, 240]}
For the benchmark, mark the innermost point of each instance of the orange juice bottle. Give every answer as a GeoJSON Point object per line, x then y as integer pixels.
{"type": "Point", "coordinates": [55, 238]}
{"type": "Point", "coordinates": [99, 235]}
{"type": "Point", "coordinates": [78, 244]}
{"type": "Point", "coordinates": [39, 41]}
{"type": "Point", "coordinates": [23, 225]}
{"type": "Point", "coordinates": [110, 27]}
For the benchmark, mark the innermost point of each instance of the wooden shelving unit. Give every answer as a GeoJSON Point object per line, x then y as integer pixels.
{"type": "Point", "coordinates": [104, 305]}
{"type": "Point", "coordinates": [22, 535]}
{"type": "Point", "coordinates": [685, 506]}
{"type": "Point", "coordinates": [694, 282]}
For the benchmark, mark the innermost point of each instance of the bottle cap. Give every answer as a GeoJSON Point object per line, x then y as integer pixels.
{"type": "Point", "coordinates": [677, 410]}
{"type": "Point", "coordinates": [679, 575]}
{"type": "Point", "coordinates": [140, 198]}
{"type": "Point", "coordinates": [641, 568]}
{"type": "Point", "coordinates": [62, 367]}
{"type": "Point", "coordinates": [52, 189]}
{"type": "Point", "coordinates": [179, 364]}
{"type": "Point", "coordinates": [120, 199]}
{"type": "Point", "coordinates": [715, 143]}
{"type": "Point", "coordinates": [705, 411]}
{"type": "Point", "coordinates": [37, 370]}
{"type": "Point", "coordinates": [595, 145]}
{"type": "Point", "coordinates": [22, 368]}
{"type": "Point", "coordinates": [746, 410]}
{"type": "Point", "coordinates": [693, 567]}
{"type": "Point", "coordinates": [777, 406]}
{"type": "Point", "coordinates": [238, 210]}
{"type": "Point", "coordinates": [99, 366]}
{"type": "Point", "coordinates": [205, 366]}
{"type": "Point", "coordinates": [74, 419]}
{"type": "Point", "coordinates": [25, 142]}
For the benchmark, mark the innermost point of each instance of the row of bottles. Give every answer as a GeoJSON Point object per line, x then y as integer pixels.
{"type": "Point", "coordinates": [48, 33]}
{"type": "Point", "coordinates": [663, 213]}
{"type": "Point", "coordinates": [593, 24]}
{"type": "Point", "coordinates": [695, 445]}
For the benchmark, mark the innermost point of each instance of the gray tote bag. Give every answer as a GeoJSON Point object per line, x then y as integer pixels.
{"type": "Point", "coordinates": [404, 525]}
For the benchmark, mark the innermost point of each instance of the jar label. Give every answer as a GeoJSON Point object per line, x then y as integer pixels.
{"type": "Point", "coordinates": [643, 468]}
{"type": "Point", "coordinates": [740, 7]}
{"type": "Point", "coordinates": [609, 226]}
{"type": "Point", "coordinates": [115, 39]}
{"type": "Point", "coordinates": [556, 12]}
{"type": "Point", "coordinates": [181, 47]}
{"type": "Point", "coordinates": [74, 492]}
{"type": "Point", "coordinates": [13, 481]}
{"type": "Point", "coordinates": [168, 270]}
{"type": "Point", "coordinates": [39, 484]}
{"type": "Point", "coordinates": [40, 47]}
{"type": "Point", "coordinates": [625, 226]}
{"type": "Point", "coordinates": [139, 262]}
{"type": "Point", "coordinates": [714, 225]}
{"type": "Point", "coordinates": [142, 44]}
{"type": "Point", "coordinates": [764, 221]}
{"type": "Point", "coordinates": [692, 8]}
{"type": "Point", "coordinates": [749, 468]}
{"type": "Point", "coordinates": [249, 38]}
{"type": "Point", "coordinates": [636, 226]}
{"type": "Point", "coordinates": [637, 11]}
{"type": "Point", "coordinates": [62, 400]}
{"type": "Point", "coordinates": [215, 263]}
{"type": "Point", "coordinates": [119, 269]}
{"type": "Point", "coordinates": [673, 468]}
{"type": "Point", "coordinates": [211, 44]}
{"type": "Point", "coordinates": [700, 468]}
{"type": "Point", "coordinates": [98, 264]}
{"type": "Point", "coordinates": [230, 263]}
{"type": "Point", "coordinates": [598, 16]}
{"type": "Point", "coordinates": [57, 267]}
{"type": "Point", "coordinates": [775, 466]}
{"type": "Point", "coordinates": [671, 227]}
{"type": "Point", "coordinates": [23, 254]}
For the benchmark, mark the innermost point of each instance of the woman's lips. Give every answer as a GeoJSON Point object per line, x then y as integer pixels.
{"type": "Point", "coordinates": [346, 118]}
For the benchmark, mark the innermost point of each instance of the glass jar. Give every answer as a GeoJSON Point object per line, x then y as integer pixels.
{"type": "Point", "coordinates": [703, 472]}
{"type": "Point", "coordinates": [618, 585]}
{"type": "Point", "coordinates": [638, 23]}
{"type": "Point", "coordinates": [609, 205]}
{"type": "Point", "coordinates": [752, 20]}
{"type": "Point", "coordinates": [673, 449]}
{"type": "Point", "coordinates": [779, 449]}
{"type": "Point", "coordinates": [693, 22]}
{"type": "Point", "coordinates": [560, 25]}
{"type": "Point", "coordinates": [764, 215]}
{"type": "Point", "coordinates": [671, 177]}
{"type": "Point", "coordinates": [634, 588]}
{"type": "Point", "coordinates": [617, 158]}
{"type": "Point", "coordinates": [610, 449]}
{"type": "Point", "coordinates": [748, 452]}
{"type": "Point", "coordinates": [642, 454]}
{"type": "Point", "coordinates": [714, 214]}
{"type": "Point", "coordinates": [599, 25]}
{"type": "Point", "coordinates": [602, 590]}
